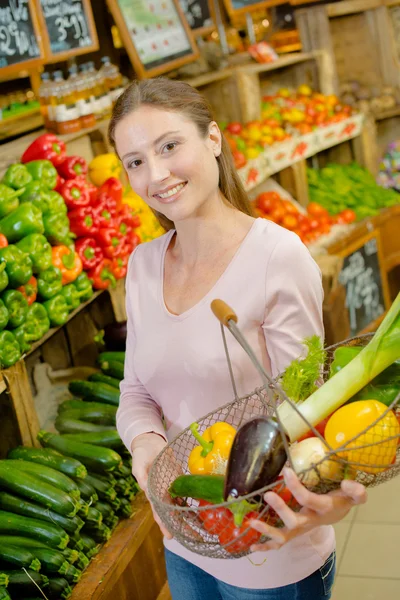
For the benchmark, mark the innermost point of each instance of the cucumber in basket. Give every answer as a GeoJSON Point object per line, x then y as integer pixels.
{"type": "Point", "coordinates": [49, 475]}
{"type": "Point", "coordinates": [48, 533]}
{"type": "Point", "coordinates": [67, 425]}
{"type": "Point", "coordinates": [50, 458]}
{"type": "Point", "coordinates": [95, 391]}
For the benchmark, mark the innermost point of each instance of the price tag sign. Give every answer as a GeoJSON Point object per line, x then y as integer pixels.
{"type": "Point", "coordinates": [69, 28]}
{"type": "Point", "coordinates": [19, 36]}
{"type": "Point", "coordinates": [199, 15]}
{"type": "Point", "coordinates": [365, 284]}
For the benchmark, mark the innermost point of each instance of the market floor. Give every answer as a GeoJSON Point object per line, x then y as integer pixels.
{"type": "Point", "coordinates": [368, 548]}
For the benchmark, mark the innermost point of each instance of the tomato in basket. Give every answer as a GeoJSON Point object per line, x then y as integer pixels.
{"type": "Point", "coordinates": [215, 520]}
{"type": "Point", "coordinates": [237, 539]}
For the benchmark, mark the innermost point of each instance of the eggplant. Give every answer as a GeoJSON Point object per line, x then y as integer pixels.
{"type": "Point", "coordinates": [115, 336]}
{"type": "Point", "coordinates": [257, 457]}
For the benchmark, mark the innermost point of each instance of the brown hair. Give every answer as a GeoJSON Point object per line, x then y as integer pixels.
{"type": "Point", "coordinates": [181, 97]}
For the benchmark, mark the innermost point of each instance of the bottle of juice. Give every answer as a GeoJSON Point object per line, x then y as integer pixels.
{"type": "Point", "coordinates": [103, 103]}
{"type": "Point", "coordinates": [84, 104]}
{"type": "Point", "coordinates": [112, 78]}
{"type": "Point", "coordinates": [66, 110]}
{"type": "Point", "coordinates": [45, 101]}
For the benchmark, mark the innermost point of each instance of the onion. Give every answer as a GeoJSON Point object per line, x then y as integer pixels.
{"type": "Point", "coordinates": [311, 452]}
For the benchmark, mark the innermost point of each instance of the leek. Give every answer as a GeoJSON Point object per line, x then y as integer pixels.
{"type": "Point", "coordinates": [380, 353]}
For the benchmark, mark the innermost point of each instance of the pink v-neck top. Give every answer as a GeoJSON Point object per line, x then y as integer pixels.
{"type": "Point", "coordinates": [176, 364]}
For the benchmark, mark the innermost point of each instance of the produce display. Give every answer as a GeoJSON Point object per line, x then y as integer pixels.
{"type": "Point", "coordinates": [340, 187]}
{"type": "Point", "coordinates": [388, 176]}
{"type": "Point", "coordinates": [351, 430]}
{"type": "Point", "coordinates": [376, 99]}
{"type": "Point", "coordinates": [59, 503]}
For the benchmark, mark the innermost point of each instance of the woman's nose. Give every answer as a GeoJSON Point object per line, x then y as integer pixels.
{"type": "Point", "coordinates": [159, 171]}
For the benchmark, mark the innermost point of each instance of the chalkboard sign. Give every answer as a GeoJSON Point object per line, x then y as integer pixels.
{"type": "Point", "coordinates": [199, 15]}
{"type": "Point", "coordinates": [155, 33]}
{"type": "Point", "coordinates": [20, 46]}
{"type": "Point", "coordinates": [237, 7]}
{"type": "Point", "coordinates": [366, 286]}
{"type": "Point", "coordinates": [69, 28]}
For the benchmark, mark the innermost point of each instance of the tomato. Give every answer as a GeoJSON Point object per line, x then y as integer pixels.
{"type": "Point", "coordinates": [348, 215]}
{"type": "Point", "coordinates": [240, 159]}
{"type": "Point", "coordinates": [278, 213]}
{"type": "Point", "coordinates": [289, 207]}
{"type": "Point", "coordinates": [232, 143]}
{"type": "Point", "coordinates": [234, 128]}
{"type": "Point", "coordinates": [320, 428]}
{"type": "Point", "coordinates": [314, 224]}
{"type": "Point", "coordinates": [235, 539]}
{"type": "Point", "coordinates": [290, 222]}
{"type": "Point", "coordinates": [215, 520]}
{"type": "Point", "coordinates": [316, 210]}
{"type": "Point", "coordinates": [268, 201]}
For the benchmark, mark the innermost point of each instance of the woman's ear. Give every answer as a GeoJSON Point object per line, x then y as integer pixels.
{"type": "Point", "coordinates": [215, 138]}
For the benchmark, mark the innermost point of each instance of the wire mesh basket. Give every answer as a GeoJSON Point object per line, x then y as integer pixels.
{"type": "Point", "coordinates": [188, 520]}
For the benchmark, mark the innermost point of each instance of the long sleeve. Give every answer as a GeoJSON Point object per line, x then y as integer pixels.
{"type": "Point", "coordinates": [294, 297]}
{"type": "Point", "coordinates": [137, 413]}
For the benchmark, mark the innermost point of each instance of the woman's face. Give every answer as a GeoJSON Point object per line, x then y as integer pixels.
{"type": "Point", "coordinates": [168, 163]}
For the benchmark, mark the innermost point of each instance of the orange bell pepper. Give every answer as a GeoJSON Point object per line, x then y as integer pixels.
{"type": "Point", "coordinates": [68, 261]}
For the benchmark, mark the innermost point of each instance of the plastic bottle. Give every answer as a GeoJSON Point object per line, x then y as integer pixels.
{"type": "Point", "coordinates": [84, 104]}
{"type": "Point", "coordinates": [66, 110]}
{"type": "Point", "coordinates": [101, 97]}
{"type": "Point", "coordinates": [112, 78]}
{"type": "Point", "coordinates": [45, 91]}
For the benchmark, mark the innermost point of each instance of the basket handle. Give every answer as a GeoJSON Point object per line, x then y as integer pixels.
{"type": "Point", "coordinates": [223, 312]}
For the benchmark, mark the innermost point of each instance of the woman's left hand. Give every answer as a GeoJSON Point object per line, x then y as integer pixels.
{"type": "Point", "coordinates": [317, 509]}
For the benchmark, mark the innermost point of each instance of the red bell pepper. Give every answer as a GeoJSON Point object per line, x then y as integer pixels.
{"type": "Point", "coordinates": [127, 215]}
{"type": "Point", "coordinates": [113, 187]}
{"type": "Point", "coordinates": [3, 241]}
{"type": "Point", "coordinates": [45, 147]}
{"type": "Point", "coordinates": [102, 275]}
{"type": "Point", "coordinates": [59, 184]}
{"type": "Point", "coordinates": [104, 216]}
{"type": "Point", "coordinates": [29, 290]}
{"type": "Point", "coordinates": [83, 221]}
{"type": "Point", "coordinates": [89, 251]}
{"type": "Point", "coordinates": [72, 167]}
{"type": "Point", "coordinates": [119, 266]}
{"type": "Point", "coordinates": [111, 242]}
{"type": "Point", "coordinates": [75, 193]}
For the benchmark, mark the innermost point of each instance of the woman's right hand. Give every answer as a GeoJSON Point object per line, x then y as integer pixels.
{"type": "Point", "coordinates": [145, 448]}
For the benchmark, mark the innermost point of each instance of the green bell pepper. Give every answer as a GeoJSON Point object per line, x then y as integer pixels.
{"type": "Point", "coordinates": [9, 200]}
{"type": "Point", "coordinates": [56, 229]}
{"type": "Point", "coordinates": [84, 285]}
{"type": "Point", "coordinates": [38, 250]}
{"type": "Point", "coordinates": [37, 195]}
{"type": "Point", "coordinates": [72, 295]}
{"type": "Point", "coordinates": [57, 310]}
{"type": "Point", "coordinates": [24, 220]}
{"type": "Point", "coordinates": [17, 176]}
{"type": "Point", "coordinates": [43, 171]}
{"type": "Point", "coordinates": [4, 315]}
{"type": "Point", "coordinates": [56, 203]}
{"type": "Point", "coordinates": [17, 306]}
{"type": "Point", "coordinates": [10, 352]}
{"type": "Point", "coordinates": [3, 277]}
{"type": "Point", "coordinates": [37, 321]}
{"type": "Point", "coordinates": [24, 338]}
{"type": "Point", "coordinates": [49, 283]}
{"type": "Point", "coordinates": [18, 265]}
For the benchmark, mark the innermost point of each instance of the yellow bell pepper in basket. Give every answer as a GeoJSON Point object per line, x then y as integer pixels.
{"type": "Point", "coordinates": [215, 445]}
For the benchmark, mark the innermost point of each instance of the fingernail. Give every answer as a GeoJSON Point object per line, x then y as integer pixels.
{"type": "Point", "coordinates": [287, 472]}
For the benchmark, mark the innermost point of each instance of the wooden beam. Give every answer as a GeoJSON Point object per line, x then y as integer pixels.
{"type": "Point", "coordinates": [348, 7]}
{"type": "Point", "coordinates": [21, 398]}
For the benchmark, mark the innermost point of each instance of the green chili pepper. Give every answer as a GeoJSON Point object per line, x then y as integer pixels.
{"type": "Point", "coordinates": [37, 195]}
{"type": "Point", "coordinates": [72, 295]}
{"type": "Point", "coordinates": [38, 250]}
{"type": "Point", "coordinates": [3, 277]}
{"type": "Point", "coordinates": [83, 284]}
{"type": "Point", "coordinates": [9, 200]}
{"type": "Point", "coordinates": [56, 229]}
{"type": "Point", "coordinates": [57, 310]}
{"type": "Point", "coordinates": [18, 265]}
{"type": "Point", "coordinates": [10, 352]}
{"type": "Point", "coordinates": [56, 203]}
{"type": "Point", "coordinates": [17, 176]}
{"type": "Point", "coordinates": [24, 220]}
{"type": "Point", "coordinates": [43, 171]}
{"type": "Point", "coordinates": [4, 315]}
{"type": "Point", "coordinates": [24, 338]}
{"type": "Point", "coordinates": [37, 321]}
{"type": "Point", "coordinates": [49, 283]}
{"type": "Point", "coordinates": [17, 306]}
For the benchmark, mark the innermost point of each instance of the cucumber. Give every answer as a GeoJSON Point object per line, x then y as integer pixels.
{"type": "Point", "coordinates": [48, 475]}
{"type": "Point", "coordinates": [94, 457]}
{"type": "Point", "coordinates": [94, 516]}
{"type": "Point", "coordinates": [123, 487]}
{"type": "Point", "coordinates": [17, 557]}
{"type": "Point", "coordinates": [99, 534]}
{"type": "Point", "coordinates": [107, 439]}
{"type": "Point", "coordinates": [101, 378]}
{"type": "Point", "coordinates": [25, 542]}
{"type": "Point", "coordinates": [64, 425]}
{"type": "Point", "coordinates": [21, 583]}
{"type": "Point", "coordinates": [20, 506]}
{"type": "Point", "coordinates": [59, 588]}
{"type": "Point", "coordinates": [50, 458]}
{"type": "Point", "coordinates": [113, 368]}
{"type": "Point", "coordinates": [4, 595]}
{"type": "Point", "coordinates": [101, 414]}
{"type": "Point", "coordinates": [101, 391]}
{"type": "Point", "coordinates": [43, 493]}
{"type": "Point", "coordinates": [76, 543]}
{"type": "Point", "coordinates": [104, 489]}
{"type": "Point", "coordinates": [117, 356]}
{"type": "Point", "coordinates": [52, 561]}
{"type": "Point", "coordinates": [200, 487]}
{"type": "Point", "coordinates": [88, 492]}
{"type": "Point", "coordinates": [112, 522]}
{"type": "Point", "coordinates": [50, 534]}
{"type": "Point", "coordinates": [91, 548]}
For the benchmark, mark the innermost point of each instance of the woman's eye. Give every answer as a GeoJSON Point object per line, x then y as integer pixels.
{"type": "Point", "coordinates": [169, 147]}
{"type": "Point", "coordinates": [134, 164]}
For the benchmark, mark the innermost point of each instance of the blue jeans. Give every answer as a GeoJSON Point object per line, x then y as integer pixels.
{"type": "Point", "coordinates": [188, 582]}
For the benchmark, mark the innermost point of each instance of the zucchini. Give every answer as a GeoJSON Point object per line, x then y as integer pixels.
{"type": "Point", "coordinates": [52, 561]}
{"type": "Point", "coordinates": [200, 487]}
{"type": "Point", "coordinates": [95, 390]}
{"type": "Point", "coordinates": [112, 523]}
{"type": "Point", "coordinates": [113, 368]}
{"type": "Point", "coordinates": [64, 425]}
{"type": "Point", "coordinates": [104, 489]}
{"type": "Point", "coordinates": [20, 506]}
{"type": "Point", "coordinates": [22, 582]}
{"type": "Point", "coordinates": [107, 439]}
{"type": "Point", "coordinates": [25, 542]}
{"type": "Point", "coordinates": [50, 458]}
{"type": "Point", "coordinates": [72, 574]}
{"type": "Point", "coordinates": [43, 493]}
{"type": "Point", "coordinates": [115, 504]}
{"type": "Point", "coordinates": [100, 377]}
{"type": "Point", "coordinates": [51, 534]}
{"type": "Point", "coordinates": [48, 475]}
{"type": "Point", "coordinates": [59, 588]}
{"type": "Point", "coordinates": [123, 487]}
{"type": "Point", "coordinates": [18, 557]}
{"type": "Point", "coordinates": [82, 562]}
{"type": "Point", "coordinates": [4, 595]}
{"type": "Point", "coordinates": [71, 404]}
{"type": "Point", "coordinates": [126, 508]}
{"type": "Point", "coordinates": [94, 516]}
{"type": "Point", "coordinates": [124, 471]}
{"type": "Point", "coordinates": [90, 546]}
{"type": "Point", "coordinates": [105, 509]}
{"type": "Point", "coordinates": [71, 555]}
{"type": "Point", "coordinates": [101, 414]}
{"type": "Point", "coordinates": [117, 356]}
{"type": "Point", "coordinates": [88, 492]}
{"type": "Point", "coordinates": [83, 508]}
{"type": "Point", "coordinates": [99, 534]}
{"type": "Point", "coordinates": [94, 457]}
{"type": "Point", "coordinates": [3, 577]}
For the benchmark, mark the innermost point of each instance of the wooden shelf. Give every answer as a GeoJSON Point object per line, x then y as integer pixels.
{"type": "Point", "coordinates": [283, 61]}
{"type": "Point", "coordinates": [387, 114]}
{"type": "Point", "coordinates": [207, 78]}
{"type": "Point", "coordinates": [347, 7]}
{"type": "Point", "coordinates": [20, 124]}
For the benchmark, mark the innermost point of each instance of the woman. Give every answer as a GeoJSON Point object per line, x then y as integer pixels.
{"type": "Point", "coordinates": [180, 164]}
